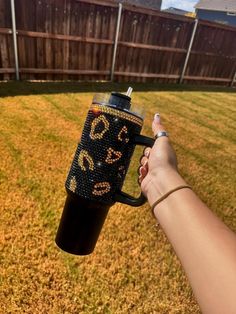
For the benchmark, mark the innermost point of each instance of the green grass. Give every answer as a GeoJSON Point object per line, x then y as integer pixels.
{"type": "Point", "coordinates": [133, 269]}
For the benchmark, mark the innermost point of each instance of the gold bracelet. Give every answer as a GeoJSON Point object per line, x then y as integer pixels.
{"type": "Point", "coordinates": [167, 194]}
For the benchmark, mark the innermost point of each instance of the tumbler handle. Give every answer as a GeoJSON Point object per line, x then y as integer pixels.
{"type": "Point", "coordinates": [123, 197]}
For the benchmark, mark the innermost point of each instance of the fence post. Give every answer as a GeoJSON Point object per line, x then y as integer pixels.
{"type": "Point", "coordinates": [189, 51]}
{"type": "Point", "coordinates": [116, 41]}
{"type": "Point", "coordinates": [233, 80]}
{"type": "Point", "coordinates": [14, 33]}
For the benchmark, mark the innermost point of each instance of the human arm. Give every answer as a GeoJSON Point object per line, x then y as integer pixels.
{"type": "Point", "coordinates": [205, 246]}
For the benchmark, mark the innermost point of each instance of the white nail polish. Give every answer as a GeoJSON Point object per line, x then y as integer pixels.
{"type": "Point", "coordinates": [157, 118]}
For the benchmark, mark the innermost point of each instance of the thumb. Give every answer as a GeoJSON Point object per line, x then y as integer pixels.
{"type": "Point", "coordinates": [156, 124]}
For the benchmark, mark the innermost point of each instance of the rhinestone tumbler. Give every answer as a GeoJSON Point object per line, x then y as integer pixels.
{"type": "Point", "coordinates": [95, 179]}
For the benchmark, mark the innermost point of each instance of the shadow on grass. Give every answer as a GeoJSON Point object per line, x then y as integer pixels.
{"type": "Point", "coordinates": [14, 88]}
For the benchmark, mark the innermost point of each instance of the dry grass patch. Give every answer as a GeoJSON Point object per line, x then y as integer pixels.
{"type": "Point", "coordinates": [133, 269]}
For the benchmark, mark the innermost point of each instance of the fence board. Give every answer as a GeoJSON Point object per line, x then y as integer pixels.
{"type": "Point", "coordinates": [5, 54]}
{"type": "Point", "coordinates": [63, 71]}
{"type": "Point", "coordinates": [48, 41]}
{"type": "Point", "coordinates": [40, 53]}
{"type": "Point", "coordinates": [7, 70]}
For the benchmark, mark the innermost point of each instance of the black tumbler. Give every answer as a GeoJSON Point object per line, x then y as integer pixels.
{"type": "Point", "coordinates": [101, 161]}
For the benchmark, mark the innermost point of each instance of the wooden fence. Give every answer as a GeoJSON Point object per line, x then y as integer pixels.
{"type": "Point", "coordinates": [75, 40]}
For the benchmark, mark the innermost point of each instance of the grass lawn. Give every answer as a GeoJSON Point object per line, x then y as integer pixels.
{"type": "Point", "coordinates": [133, 269]}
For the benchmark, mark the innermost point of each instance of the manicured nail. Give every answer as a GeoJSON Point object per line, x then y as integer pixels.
{"type": "Point", "coordinates": [157, 118]}
{"type": "Point", "coordinates": [147, 153]}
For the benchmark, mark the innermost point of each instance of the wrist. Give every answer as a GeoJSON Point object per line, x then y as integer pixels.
{"type": "Point", "coordinates": [162, 182]}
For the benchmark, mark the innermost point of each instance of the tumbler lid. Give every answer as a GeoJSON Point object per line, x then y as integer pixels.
{"type": "Point", "coordinates": [120, 101]}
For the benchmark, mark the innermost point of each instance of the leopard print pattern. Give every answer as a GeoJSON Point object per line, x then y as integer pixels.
{"type": "Point", "coordinates": [103, 155]}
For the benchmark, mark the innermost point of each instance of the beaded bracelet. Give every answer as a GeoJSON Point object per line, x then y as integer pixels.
{"type": "Point", "coordinates": [167, 194]}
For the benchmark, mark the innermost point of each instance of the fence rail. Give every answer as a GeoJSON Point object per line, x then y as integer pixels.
{"type": "Point", "coordinates": [80, 40]}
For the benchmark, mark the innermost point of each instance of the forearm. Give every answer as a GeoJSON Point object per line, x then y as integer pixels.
{"type": "Point", "coordinates": [205, 246]}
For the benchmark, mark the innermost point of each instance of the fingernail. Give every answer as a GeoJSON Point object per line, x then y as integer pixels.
{"type": "Point", "coordinates": [157, 118]}
{"type": "Point", "coordinates": [147, 153]}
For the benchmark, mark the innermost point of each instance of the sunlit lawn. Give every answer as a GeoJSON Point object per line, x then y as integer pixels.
{"type": "Point", "coordinates": [133, 269]}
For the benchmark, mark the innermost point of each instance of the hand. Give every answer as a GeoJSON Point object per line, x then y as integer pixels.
{"type": "Point", "coordinates": [157, 161]}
